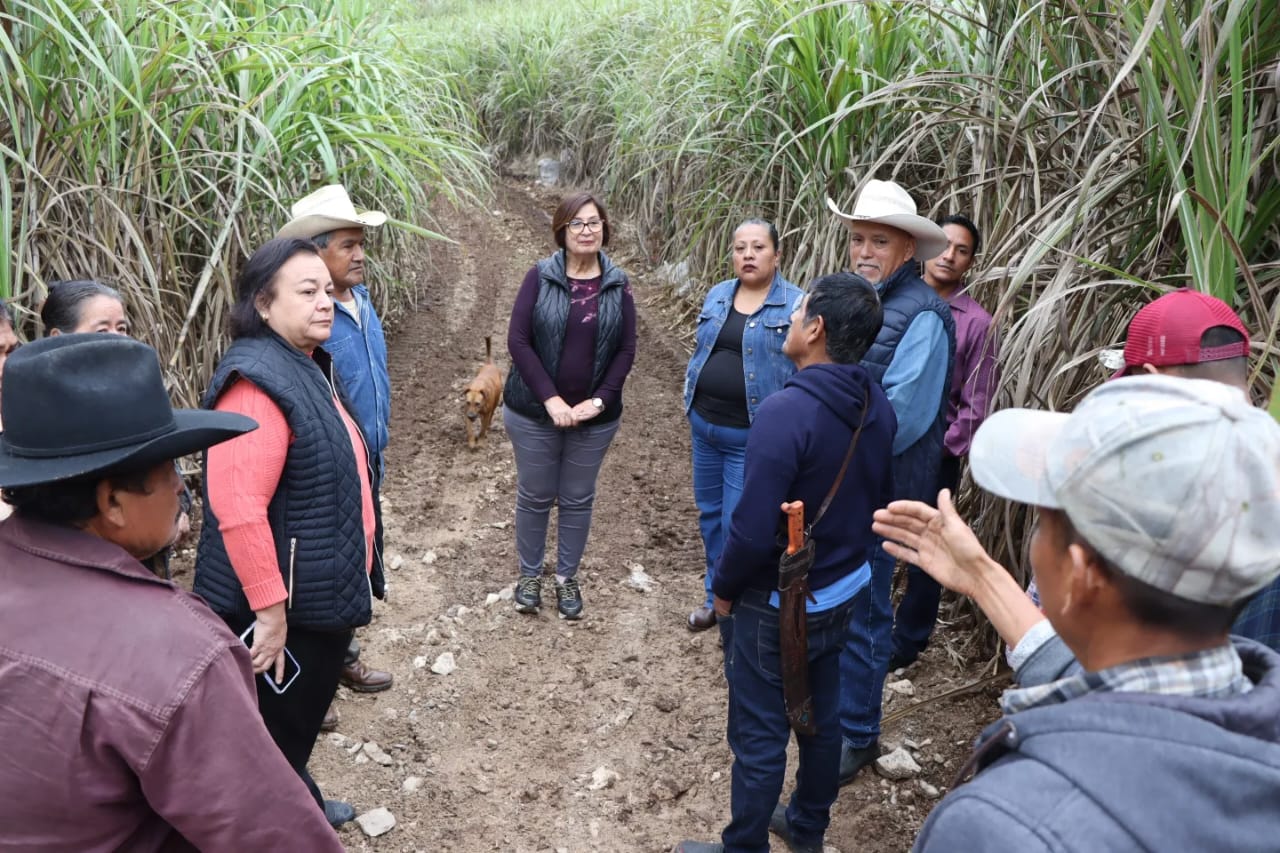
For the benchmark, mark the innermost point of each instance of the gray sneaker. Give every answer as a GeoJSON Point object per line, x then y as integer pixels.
{"type": "Point", "coordinates": [569, 599]}
{"type": "Point", "coordinates": [528, 594]}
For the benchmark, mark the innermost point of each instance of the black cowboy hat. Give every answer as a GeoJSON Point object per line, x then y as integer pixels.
{"type": "Point", "coordinates": [84, 404]}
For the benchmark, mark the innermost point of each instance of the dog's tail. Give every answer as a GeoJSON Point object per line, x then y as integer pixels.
{"type": "Point", "coordinates": [488, 349]}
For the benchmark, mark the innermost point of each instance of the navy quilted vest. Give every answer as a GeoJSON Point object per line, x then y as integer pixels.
{"type": "Point", "coordinates": [315, 514]}
{"type": "Point", "coordinates": [903, 296]}
{"type": "Point", "coordinates": [551, 316]}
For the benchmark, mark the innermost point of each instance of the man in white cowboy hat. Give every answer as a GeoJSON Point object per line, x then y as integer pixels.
{"type": "Point", "coordinates": [128, 714]}
{"type": "Point", "coordinates": [359, 351]}
{"type": "Point", "coordinates": [912, 360]}
{"type": "Point", "coordinates": [1157, 516]}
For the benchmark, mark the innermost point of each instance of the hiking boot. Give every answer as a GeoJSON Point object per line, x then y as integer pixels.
{"type": "Point", "coordinates": [528, 594]}
{"type": "Point", "coordinates": [569, 599]}
{"type": "Point", "coordinates": [778, 826]}
{"type": "Point", "coordinates": [854, 759]}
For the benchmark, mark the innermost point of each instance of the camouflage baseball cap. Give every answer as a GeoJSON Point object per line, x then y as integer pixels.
{"type": "Point", "coordinates": [1176, 482]}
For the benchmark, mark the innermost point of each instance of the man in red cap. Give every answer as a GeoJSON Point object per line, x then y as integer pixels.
{"type": "Point", "coordinates": [1190, 334]}
{"type": "Point", "coordinates": [1196, 336]}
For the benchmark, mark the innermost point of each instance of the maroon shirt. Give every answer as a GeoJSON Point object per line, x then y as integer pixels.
{"type": "Point", "coordinates": [577, 356]}
{"type": "Point", "coordinates": [127, 712]}
{"type": "Point", "coordinates": [973, 376]}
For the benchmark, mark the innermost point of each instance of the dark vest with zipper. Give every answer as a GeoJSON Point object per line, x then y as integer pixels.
{"type": "Point", "coordinates": [550, 318]}
{"type": "Point", "coordinates": [903, 297]}
{"type": "Point", "coordinates": [315, 513]}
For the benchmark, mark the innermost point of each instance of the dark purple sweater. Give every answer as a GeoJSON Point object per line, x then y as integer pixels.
{"type": "Point", "coordinates": [573, 380]}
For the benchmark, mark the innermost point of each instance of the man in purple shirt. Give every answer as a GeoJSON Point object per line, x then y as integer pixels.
{"type": "Point", "coordinates": [127, 709]}
{"type": "Point", "coordinates": [973, 379]}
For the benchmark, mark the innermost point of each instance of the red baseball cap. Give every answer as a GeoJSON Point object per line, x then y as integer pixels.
{"type": "Point", "coordinates": [1167, 331]}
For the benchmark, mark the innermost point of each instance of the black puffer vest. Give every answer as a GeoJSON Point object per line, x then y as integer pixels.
{"type": "Point", "coordinates": [903, 296]}
{"type": "Point", "coordinates": [315, 514]}
{"type": "Point", "coordinates": [551, 316]}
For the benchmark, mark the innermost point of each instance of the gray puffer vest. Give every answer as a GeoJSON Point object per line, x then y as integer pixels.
{"type": "Point", "coordinates": [551, 316]}
{"type": "Point", "coordinates": [315, 514]}
{"type": "Point", "coordinates": [904, 296]}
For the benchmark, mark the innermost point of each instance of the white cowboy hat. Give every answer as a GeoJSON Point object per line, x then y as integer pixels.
{"type": "Point", "coordinates": [328, 209]}
{"type": "Point", "coordinates": [889, 204]}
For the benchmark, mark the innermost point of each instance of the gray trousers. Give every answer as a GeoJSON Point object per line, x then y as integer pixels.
{"type": "Point", "coordinates": [553, 466]}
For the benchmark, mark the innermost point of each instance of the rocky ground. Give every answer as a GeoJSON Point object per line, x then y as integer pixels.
{"type": "Point", "coordinates": [507, 732]}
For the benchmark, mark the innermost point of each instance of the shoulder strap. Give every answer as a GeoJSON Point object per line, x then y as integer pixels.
{"type": "Point", "coordinates": [853, 444]}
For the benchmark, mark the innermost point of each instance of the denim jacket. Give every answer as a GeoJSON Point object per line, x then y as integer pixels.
{"type": "Point", "coordinates": [765, 369]}
{"type": "Point", "coordinates": [360, 357]}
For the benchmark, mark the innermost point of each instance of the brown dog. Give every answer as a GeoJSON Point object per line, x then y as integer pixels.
{"type": "Point", "coordinates": [482, 397]}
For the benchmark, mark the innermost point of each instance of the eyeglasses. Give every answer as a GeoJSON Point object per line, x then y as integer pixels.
{"type": "Point", "coordinates": [576, 226]}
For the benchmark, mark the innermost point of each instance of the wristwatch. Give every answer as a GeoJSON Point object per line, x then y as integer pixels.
{"type": "Point", "coordinates": [597, 402]}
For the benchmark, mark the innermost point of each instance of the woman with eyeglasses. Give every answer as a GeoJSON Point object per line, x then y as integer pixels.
{"type": "Point", "coordinates": [572, 340]}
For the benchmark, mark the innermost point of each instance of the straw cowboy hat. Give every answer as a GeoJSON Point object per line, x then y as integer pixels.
{"type": "Point", "coordinates": [889, 204]}
{"type": "Point", "coordinates": [91, 403]}
{"type": "Point", "coordinates": [328, 209]}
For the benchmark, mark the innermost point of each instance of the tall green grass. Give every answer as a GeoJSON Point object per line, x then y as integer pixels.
{"type": "Point", "coordinates": [155, 144]}
{"type": "Point", "coordinates": [1109, 150]}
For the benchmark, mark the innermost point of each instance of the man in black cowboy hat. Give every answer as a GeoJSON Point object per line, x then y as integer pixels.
{"type": "Point", "coordinates": [128, 715]}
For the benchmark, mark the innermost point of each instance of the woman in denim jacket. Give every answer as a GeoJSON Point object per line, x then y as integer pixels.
{"type": "Point", "coordinates": [737, 363]}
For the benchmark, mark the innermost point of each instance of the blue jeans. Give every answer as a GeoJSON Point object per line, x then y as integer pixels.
{"type": "Point", "coordinates": [864, 660]}
{"type": "Point", "coordinates": [719, 456]}
{"type": "Point", "coordinates": [758, 730]}
{"type": "Point", "coordinates": [918, 610]}
{"type": "Point", "coordinates": [555, 466]}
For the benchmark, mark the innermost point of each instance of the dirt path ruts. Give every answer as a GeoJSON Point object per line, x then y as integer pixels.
{"type": "Point", "coordinates": [605, 734]}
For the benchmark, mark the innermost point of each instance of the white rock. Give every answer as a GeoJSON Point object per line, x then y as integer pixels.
{"type": "Point", "coordinates": [419, 662]}
{"type": "Point", "coordinates": [601, 778]}
{"type": "Point", "coordinates": [507, 593]}
{"type": "Point", "coordinates": [902, 688]}
{"type": "Point", "coordinates": [444, 664]}
{"type": "Point", "coordinates": [929, 790]}
{"type": "Point", "coordinates": [638, 579]}
{"type": "Point", "coordinates": [396, 562]}
{"type": "Point", "coordinates": [717, 776]}
{"type": "Point", "coordinates": [411, 784]}
{"type": "Point", "coordinates": [429, 557]}
{"type": "Point", "coordinates": [375, 753]}
{"type": "Point", "coordinates": [897, 765]}
{"type": "Point", "coordinates": [433, 637]}
{"type": "Point", "coordinates": [376, 822]}
{"type": "Point", "coordinates": [463, 610]}
{"type": "Point", "coordinates": [492, 599]}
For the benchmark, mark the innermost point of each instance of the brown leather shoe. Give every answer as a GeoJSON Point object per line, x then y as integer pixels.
{"type": "Point", "coordinates": [361, 679]}
{"type": "Point", "coordinates": [330, 723]}
{"type": "Point", "coordinates": [702, 619]}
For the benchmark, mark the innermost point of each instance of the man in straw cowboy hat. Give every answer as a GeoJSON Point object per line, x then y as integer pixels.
{"type": "Point", "coordinates": [1158, 516]}
{"type": "Point", "coordinates": [911, 359]}
{"type": "Point", "coordinates": [128, 718]}
{"type": "Point", "coordinates": [328, 218]}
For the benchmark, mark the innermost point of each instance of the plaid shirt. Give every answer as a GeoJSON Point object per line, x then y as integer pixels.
{"type": "Point", "coordinates": [1260, 619]}
{"type": "Point", "coordinates": [1212, 673]}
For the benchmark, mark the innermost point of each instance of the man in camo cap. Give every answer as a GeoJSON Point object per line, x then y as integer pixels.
{"type": "Point", "coordinates": [1158, 515]}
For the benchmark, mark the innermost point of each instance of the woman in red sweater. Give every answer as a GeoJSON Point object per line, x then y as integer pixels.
{"type": "Point", "coordinates": [287, 542]}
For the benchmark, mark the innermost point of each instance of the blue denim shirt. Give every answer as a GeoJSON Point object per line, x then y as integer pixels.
{"type": "Point", "coordinates": [359, 355]}
{"type": "Point", "coordinates": [765, 369]}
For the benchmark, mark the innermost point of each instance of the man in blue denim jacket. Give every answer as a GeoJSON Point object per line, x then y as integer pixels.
{"type": "Point", "coordinates": [359, 351]}
{"type": "Point", "coordinates": [738, 362]}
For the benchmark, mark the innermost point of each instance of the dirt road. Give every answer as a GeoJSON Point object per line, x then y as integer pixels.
{"type": "Point", "coordinates": [605, 734]}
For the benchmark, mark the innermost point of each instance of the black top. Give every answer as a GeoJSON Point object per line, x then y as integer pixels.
{"type": "Point", "coordinates": [721, 393]}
